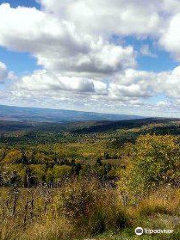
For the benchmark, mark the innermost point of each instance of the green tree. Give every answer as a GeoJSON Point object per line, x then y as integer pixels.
{"type": "Point", "coordinates": [154, 161]}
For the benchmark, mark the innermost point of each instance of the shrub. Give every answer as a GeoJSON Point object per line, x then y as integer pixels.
{"type": "Point", "coordinates": [76, 198]}
{"type": "Point", "coordinates": [154, 161]}
{"type": "Point", "coordinates": [91, 207]}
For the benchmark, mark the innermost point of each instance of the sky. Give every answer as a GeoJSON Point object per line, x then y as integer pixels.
{"type": "Point", "coordinates": [110, 56]}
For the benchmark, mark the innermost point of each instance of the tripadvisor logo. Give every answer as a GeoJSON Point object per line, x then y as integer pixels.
{"type": "Point", "coordinates": [139, 231]}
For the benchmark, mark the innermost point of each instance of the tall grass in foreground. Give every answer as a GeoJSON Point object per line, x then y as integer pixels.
{"type": "Point", "coordinates": [83, 209]}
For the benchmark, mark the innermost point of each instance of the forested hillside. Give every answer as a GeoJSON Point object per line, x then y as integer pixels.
{"type": "Point", "coordinates": [89, 179]}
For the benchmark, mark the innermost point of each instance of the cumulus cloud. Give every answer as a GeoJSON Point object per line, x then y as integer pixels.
{"type": "Point", "coordinates": [102, 17]}
{"type": "Point", "coordinates": [131, 84]}
{"type": "Point", "coordinates": [130, 89]}
{"type": "Point", "coordinates": [58, 45]}
{"type": "Point", "coordinates": [44, 81]}
{"type": "Point", "coordinates": [73, 42]}
{"type": "Point", "coordinates": [170, 37]}
{"type": "Point", "coordinates": [160, 20]}
{"type": "Point", "coordinates": [169, 83]}
{"type": "Point", "coordinates": [147, 84]}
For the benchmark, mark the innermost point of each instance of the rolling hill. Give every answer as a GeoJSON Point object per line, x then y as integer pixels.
{"type": "Point", "coordinates": [57, 115]}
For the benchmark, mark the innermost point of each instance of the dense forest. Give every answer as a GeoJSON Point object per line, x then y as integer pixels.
{"type": "Point", "coordinates": [89, 180]}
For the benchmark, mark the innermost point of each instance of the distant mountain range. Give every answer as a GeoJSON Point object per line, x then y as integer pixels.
{"type": "Point", "coordinates": [12, 113]}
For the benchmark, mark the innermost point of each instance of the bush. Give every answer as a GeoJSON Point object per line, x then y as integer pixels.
{"type": "Point", "coordinates": [92, 208]}
{"type": "Point", "coordinates": [76, 198]}
{"type": "Point", "coordinates": [154, 161]}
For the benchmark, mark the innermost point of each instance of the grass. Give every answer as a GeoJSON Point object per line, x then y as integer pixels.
{"type": "Point", "coordinates": [86, 210]}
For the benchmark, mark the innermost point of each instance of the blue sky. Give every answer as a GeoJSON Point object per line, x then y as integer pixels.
{"type": "Point", "coordinates": [20, 63]}
{"type": "Point", "coordinates": [82, 55]}
{"type": "Point", "coordinates": [25, 3]}
{"type": "Point", "coordinates": [162, 62]}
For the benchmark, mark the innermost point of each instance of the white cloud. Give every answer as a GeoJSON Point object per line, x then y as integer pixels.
{"type": "Point", "coordinates": [73, 42]}
{"type": "Point", "coordinates": [3, 71]}
{"type": "Point", "coordinates": [145, 51]}
{"type": "Point", "coordinates": [44, 81]}
{"type": "Point", "coordinates": [132, 90]}
{"type": "Point", "coordinates": [103, 59]}
{"type": "Point", "coordinates": [146, 84]}
{"type": "Point", "coordinates": [159, 20]}
{"type": "Point", "coordinates": [171, 37]}
{"type": "Point", "coordinates": [58, 45]}
{"type": "Point", "coordinates": [169, 83]}
{"type": "Point", "coordinates": [171, 6]}
{"type": "Point", "coordinates": [129, 85]}
{"type": "Point", "coordinates": [104, 17]}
